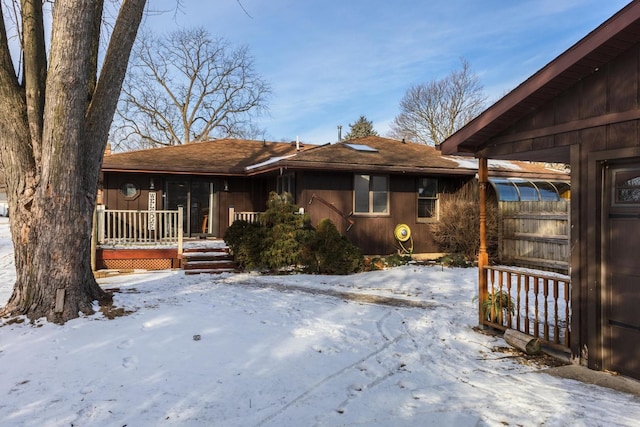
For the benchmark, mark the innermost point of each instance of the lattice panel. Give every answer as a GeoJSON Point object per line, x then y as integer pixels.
{"type": "Point", "coordinates": [144, 264]}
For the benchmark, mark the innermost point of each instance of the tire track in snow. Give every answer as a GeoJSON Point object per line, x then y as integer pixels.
{"type": "Point", "coordinates": [389, 342]}
{"type": "Point", "coordinates": [390, 370]}
{"type": "Point", "coordinates": [361, 297]}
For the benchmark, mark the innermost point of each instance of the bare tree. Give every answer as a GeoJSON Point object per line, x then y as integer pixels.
{"type": "Point", "coordinates": [187, 87]}
{"type": "Point", "coordinates": [433, 111]}
{"type": "Point", "coordinates": [55, 114]}
{"type": "Point", "coordinates": [360, 128]}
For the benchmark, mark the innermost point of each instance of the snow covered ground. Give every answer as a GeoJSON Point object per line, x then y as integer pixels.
{"type": "Point", "coordinates": [247, 350]}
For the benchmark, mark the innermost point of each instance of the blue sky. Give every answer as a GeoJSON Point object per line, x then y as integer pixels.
{"type": "Point", "coordinates": [330, 61]}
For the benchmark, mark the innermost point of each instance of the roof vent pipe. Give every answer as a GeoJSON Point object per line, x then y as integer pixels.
{"type": "Point", "coordinates": [297, 143]}
{"type": "Point", "coordinates": [339, 133]}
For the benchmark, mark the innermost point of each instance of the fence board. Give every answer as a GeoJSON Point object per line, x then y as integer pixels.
{"type": "Point", "coordinates": [534, 234]}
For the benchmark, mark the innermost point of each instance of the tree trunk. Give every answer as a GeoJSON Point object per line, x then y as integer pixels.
{"type": "Point", "coordinates": [52, 152]}
{"type": "Point", "coordinates": [52, 251]}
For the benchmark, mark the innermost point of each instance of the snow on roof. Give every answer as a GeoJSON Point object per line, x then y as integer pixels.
{"type": "Point", "coordinates": [472, 163]}
{"type": "Point", "coordinates": [268, 162]}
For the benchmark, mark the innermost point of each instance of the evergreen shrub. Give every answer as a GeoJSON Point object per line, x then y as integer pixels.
{"type": "Point", "coordinates": [328, 252]}
{"type": "Point", "coordinates": [283, 238]}
{"type": "Point", "coordinates": [246, 243]}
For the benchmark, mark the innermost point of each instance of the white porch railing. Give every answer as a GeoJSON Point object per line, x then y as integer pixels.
{"type": "Point", "coordinates": [139, 228]}
{"type": "Point", "coordinates": [244, 216]}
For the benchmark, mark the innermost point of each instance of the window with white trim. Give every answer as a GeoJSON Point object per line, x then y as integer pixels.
{"type": "Point", "coordinates": [427, 199]}
{"type": "Point", "coordinates": [371, 194]}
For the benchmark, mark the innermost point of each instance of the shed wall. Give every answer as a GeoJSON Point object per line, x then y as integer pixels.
{"type": "Point", "coordinates": [595, 122]}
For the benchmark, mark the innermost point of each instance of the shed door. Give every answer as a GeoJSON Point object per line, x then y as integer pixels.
{"type": "Point", "coordinates": [622, 270]}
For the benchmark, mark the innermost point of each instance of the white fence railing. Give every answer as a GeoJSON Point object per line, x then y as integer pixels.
{"type": "Point", "coordinates": [244, 216]}
{"type": "Point", "coordinates": [139, 228]}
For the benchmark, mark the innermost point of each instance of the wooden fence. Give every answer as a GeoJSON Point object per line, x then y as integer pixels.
{"type": "Point", "coordinates": [535, 235]}
{"type": "Point", "coordinates": [139, 228]}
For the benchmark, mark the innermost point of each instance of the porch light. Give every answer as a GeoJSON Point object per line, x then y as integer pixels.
{"type": "Point", "coordinates": [226, 185]}
{"type": "Point", "coordinates": [151, 184]}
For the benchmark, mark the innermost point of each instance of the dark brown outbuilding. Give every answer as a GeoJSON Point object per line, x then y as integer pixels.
{"type": "Point", "coordinates": [583, 108]}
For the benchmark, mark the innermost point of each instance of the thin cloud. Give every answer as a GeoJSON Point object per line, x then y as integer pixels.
{"type": "Point", "coordinates": [330, 61]}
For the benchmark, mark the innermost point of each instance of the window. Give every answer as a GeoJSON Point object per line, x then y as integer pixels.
{"type": "Point", "coordinates": [130, 190]}
{"type": "Point", "coordinates": [427, 199]}
{"type": "Point", "coordinates": [626, 187]}
{"type": "Point", "coordinates": [286, 184]}
{"type": "Point", "coordinates": [371, 194]}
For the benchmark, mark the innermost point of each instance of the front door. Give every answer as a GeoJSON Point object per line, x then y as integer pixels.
{"type": "Point", "coordinates": [197, 198]}
{"type": "Point", "coordinates": [621, 244]}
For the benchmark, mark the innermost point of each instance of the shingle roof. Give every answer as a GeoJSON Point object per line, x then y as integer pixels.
{"type": "Point", "coordinates": [217, 157]}
{"type": "Point", "coordinates": [369, 154]}
{"type": "Point", "coordinates": [384, 153]}
{"type": "Point", "coordinates": [389, 155]}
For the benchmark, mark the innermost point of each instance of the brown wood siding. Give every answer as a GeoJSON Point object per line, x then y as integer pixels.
{"type": "Point", "coordinates": [610, 94]}
{"type": "Point", "coordinates": [598, 119]}
{"type": "Point", "coordinates": [372, 233]}
{"type": "Point", "coordinates": [245, 194]}
{"type": "Point", "coordinates": [113, 197]}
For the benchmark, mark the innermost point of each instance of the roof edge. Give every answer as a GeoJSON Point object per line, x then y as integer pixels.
{"type": "Point", "coordinates": [616, 24]}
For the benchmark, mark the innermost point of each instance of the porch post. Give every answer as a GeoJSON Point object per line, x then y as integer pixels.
{"type": "Point", "coordinates": [483, 257]}
{"type": "Point", "coordinates": [180, 230]}
{"type": "Point", "coordinates": [94, 237]}
{"type": "Point", "coordinates": [232, 215]}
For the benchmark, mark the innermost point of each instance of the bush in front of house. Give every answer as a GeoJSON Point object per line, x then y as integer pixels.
{"type": "Point", "coordinates": [284, 227]}
{"type": "Point", "coordinates": [284, 238]}
{"type": "Point", "coordinates": [245, 241]}
{"type": "Point", "coordinates": [457, 230]}
{"type": "Point", "coordinates": [328, 252]}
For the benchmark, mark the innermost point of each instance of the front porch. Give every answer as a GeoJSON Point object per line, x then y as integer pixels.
{"type": "Point", "coordinates": [154, 240]}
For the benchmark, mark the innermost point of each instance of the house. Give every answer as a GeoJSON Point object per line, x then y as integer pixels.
{"type": "Point", "coordinates": [583, 108]}
{"type": "Point", "coordinates": [366, 186]}
{"type": "Point", "coordinates": [369, 185]}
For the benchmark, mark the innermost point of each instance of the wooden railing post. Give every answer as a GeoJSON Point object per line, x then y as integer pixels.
{"type": "Point", "coordinates": [94, 238]}
{"type": "Point", "coordinates": [180, 231]}
{"type": "Point", "coordinates": [100, 213]}
{"type": "Point", "coordinates": [483, 257]}
{"type": "Point", "coordinates": [232, 214]}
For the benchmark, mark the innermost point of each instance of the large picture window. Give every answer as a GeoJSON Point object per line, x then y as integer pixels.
{"type": "Point", "coordinates": [427, 199]}
{"type": "Point", "coordinates": [371, 194]}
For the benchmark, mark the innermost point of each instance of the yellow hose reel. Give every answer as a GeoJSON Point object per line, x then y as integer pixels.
{"type": "Point", "coordinates": [402, 233]}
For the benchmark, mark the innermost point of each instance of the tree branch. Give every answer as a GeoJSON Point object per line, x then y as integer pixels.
{"type": "Point", "coordinates": [35, 70]}
{"type": "Point", "coordinates": [105, 99]}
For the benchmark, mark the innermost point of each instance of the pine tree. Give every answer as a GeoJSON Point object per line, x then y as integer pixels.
{"type": "Point", "coordinates": [362, 127]}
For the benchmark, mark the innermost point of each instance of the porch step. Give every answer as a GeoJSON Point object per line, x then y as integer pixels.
{"type": "Point", "coordinates": [207, 260]}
